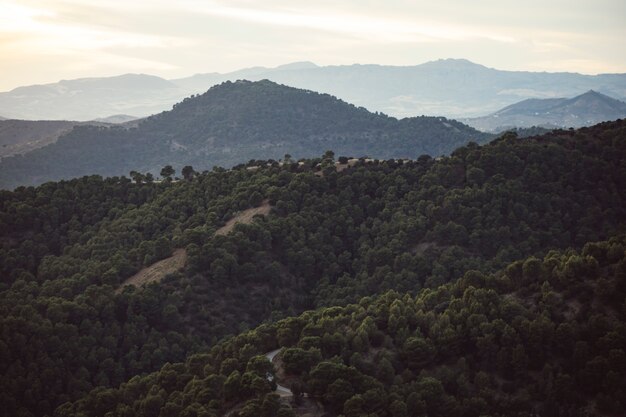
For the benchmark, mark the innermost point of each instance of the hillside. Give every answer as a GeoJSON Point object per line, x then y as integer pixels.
{"type": "Point", "coordinates": [455, 88]}
{"type": "Point", "coordinates": [584, 110]}
{"type": "Point", "coordinates": [543, 337]}
{"type": "Point", "coordinates": [22, 136]}
{"type": "Point", "coordinates": [344, 237]}
{"type": "Point", "coordinates": [233, 123]}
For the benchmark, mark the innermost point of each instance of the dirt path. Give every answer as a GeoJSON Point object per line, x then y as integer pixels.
{"type": "Point", "coordinates": [280, 390]}
{"type": "Point", "coordinates": [305, 406]}
{"type": "Point", "coordinates": [157, 271]}
{"type": "Point", "coordinates": [245, 217]}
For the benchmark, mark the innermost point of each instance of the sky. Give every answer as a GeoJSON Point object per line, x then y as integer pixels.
{"type": "Point", "coordinates": [44, 41]}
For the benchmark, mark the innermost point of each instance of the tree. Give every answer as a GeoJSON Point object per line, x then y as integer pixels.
{"type": "Point", "coordinates": [137, 177]}
{"type": "Point", "coordinates": [167, 172]}
{"type": "Point", "coordinates": [338, 393]}
{"type": "Point", "coordinates": [418, 352]}
{"type": "Point", "coordinates": [188, 172]}
{"type": "Point", "coordinates": [330, 155]}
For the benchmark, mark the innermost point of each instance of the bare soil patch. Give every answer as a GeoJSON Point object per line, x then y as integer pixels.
{"type": "Point", "coordinates": [351, 162]}
{"type": "Point", "coordinates": [158, 270]}
{"type": "Point", "coordinates": [421, 248]}
{"type": "Point", "coordinates": [245, 217]}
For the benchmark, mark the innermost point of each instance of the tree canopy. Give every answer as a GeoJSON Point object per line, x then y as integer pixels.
{"type": "Point", "coordinates": [404, 268]}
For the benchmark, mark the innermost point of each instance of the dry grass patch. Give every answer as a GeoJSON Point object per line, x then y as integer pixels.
{"type": "Point", "coordinates": [158, 270]}
{"type": "Point", "coordinates": [245, 217]}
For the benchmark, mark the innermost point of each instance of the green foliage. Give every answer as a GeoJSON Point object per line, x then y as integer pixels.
{"type": "Point", "coordinates": [233, 123]}
{"type": "Point", "coordinates": [427, 229]}
{"type": "Point", "coordinates": [554, 358]}
{"type": "Point", "coordinates": [167, 172]}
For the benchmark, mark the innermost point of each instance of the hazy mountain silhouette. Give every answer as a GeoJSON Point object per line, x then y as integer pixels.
{"type": "Point", "coordinates": [450, 87]}
{"type": "Point", "coordinates": [117, 118]}
{"type": "Point", "coordinates": [584, 110]}
{"type": "Point", "coordinates": [90, 98]}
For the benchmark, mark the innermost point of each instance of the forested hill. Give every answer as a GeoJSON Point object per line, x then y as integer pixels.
{"type": "Point", "coordinates": [543, 337]}
{"type": "Point", "coordinates": [233, 123]}
{"type": "Point", "coordinates": [333, 237]}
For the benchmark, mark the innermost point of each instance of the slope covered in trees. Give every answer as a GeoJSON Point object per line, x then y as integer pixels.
{"type": "Point", "coordinates": [542, 337]}
{"type": "Point", "coordinates": [21, 136]}
{"type": "Point", "coordinates": [329, 240]}
{"type": "Point", "coordinates": [233, 123]}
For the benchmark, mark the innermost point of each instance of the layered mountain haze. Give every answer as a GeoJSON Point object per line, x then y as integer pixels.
{"type": "Point", "coordinates": [231, 124]}
{"type": "Point", "coordinates": [117, 119]}
{"type": "Point", "coordinates": [584, 110]}
{"type": "Point", "coordinates": [91, 98]}
{"type": "Point", "coordinates": [449, 87]}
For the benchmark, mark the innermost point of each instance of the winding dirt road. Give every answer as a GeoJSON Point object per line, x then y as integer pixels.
{"type": "Point", "coordinates": [280, 390]}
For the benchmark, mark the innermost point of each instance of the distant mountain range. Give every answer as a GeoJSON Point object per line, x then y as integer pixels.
{"type": "Point", "coordinates": [451, 87]}
{"type": "Point", "coordinates": [117, 118]}
{"type": "Point", "coordinates": [233, 123]}
{"type": "Point", "coordinates": [584, 110]}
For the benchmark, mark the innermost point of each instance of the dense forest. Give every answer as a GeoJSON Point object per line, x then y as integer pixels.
{"type": "Point", "coordinates": [434, 283]}
{"type": "Point", "coordinates": [232, 123]}
{"type": "Point", "coordinates": [541, 337]}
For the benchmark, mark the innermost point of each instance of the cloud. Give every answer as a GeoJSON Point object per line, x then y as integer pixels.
{"type": "Point", "coordinates": [177, 38]}
{"type": "Point", "coordinates": [42, 30]}
{"type": "Point", "coordinates": [375, 29]}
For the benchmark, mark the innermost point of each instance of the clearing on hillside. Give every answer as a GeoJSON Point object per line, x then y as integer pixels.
{"type": "Point", "coordinates": [245, 217]}
{"type": "Point", "coordinates": [158, 270]}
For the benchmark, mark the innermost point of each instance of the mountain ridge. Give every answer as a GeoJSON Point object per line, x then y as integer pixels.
{"type": "Point", "coordinates": [231, 124]}
{"type": "Point", "coordinates": [586, 109]}
{"type": "Point", "coordinates": [447, 87]}
{"type": "Point", "coordinates": [22, 136]}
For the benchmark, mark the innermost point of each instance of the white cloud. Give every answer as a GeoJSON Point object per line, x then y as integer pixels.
{"type": "Point", "coordinates": [177, 38]}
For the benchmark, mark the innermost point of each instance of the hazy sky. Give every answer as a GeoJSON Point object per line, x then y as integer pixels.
{"type": "Point", "coordinates": [47, 40]}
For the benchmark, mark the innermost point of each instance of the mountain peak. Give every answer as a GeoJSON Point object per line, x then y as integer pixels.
{"type": "Point", "coordinates": [593, 95]}
{"type": "Point", "coordinates": [460, 63]}
{"type": "Point", "coordinates": [297, 66]}
{"type": "Point", "coordinates": [235, 122]}
{"type": "Point", "coordinates": [585, 109]}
